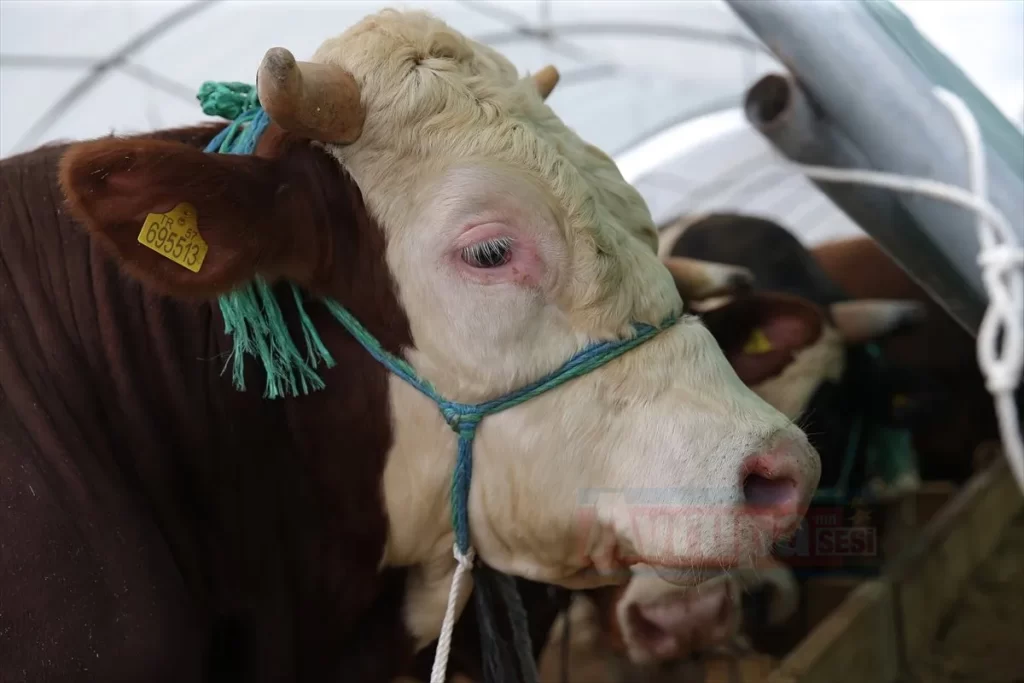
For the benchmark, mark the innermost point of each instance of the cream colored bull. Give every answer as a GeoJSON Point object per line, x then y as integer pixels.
{"type": "Point", "coordinates": [514, 244]}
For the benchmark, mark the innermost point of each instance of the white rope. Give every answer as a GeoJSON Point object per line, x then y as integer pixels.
{"type": "Point", "coordinates": [444, 641]}
{"type": "Point", "coordinates": [1001, 258]}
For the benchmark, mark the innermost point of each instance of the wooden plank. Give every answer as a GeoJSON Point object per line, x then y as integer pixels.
{"type": "Point", "coordinates": [993, 512]}
{"type": "Point", "coordinates": [752, 668]}
{"type": "Point", "coordinates": [930, 576]}
{"type": "Point", "coordinates": [899, 526]}
{"type": "Point", "coordinates": [931, 497]}
{"type": "Point", "coordinates": [824, 594]}
{"type": "Point", "coordinates": [856, 643]}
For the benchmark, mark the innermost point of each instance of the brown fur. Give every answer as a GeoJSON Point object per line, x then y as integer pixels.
{"type": "Point", "coordinates": [939, 347]}
{"type": "Point", "coordinates": [158, 524]}
{"type": "Point", "coordinates": [778, 261]}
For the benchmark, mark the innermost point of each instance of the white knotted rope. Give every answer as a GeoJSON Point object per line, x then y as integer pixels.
{"type": "Point", "coordinates": [1000, 257]}
{"type": "Point", "coordinates": [444, 642]}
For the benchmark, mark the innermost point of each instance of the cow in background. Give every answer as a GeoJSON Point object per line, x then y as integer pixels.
{"type": "Point", "coordinates": [797, 339]}
{"type": "Point", "coordinates": [806, 346]}
{"type": "Point", "coordinates": [160, 525]}
{"type": "Point", "coordinates": [939, 348]}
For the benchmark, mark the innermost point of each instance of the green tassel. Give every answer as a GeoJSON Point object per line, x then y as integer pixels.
{"type": "Point", "coordinates": [314, 344]}
{"type": "Point", "coordinates": [253, 318]}
{"type": "Point", "coordinates": [228, 100]}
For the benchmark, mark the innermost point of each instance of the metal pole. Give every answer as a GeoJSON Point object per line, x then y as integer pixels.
{"type": "Point", "coordinates": [783, 113]}
{"type": "Point", "coordinates": [868, 90]}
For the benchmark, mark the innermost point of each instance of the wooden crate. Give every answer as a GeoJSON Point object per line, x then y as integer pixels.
{"type": "Point", "coordinates": [855, 643]}
{"type": "Point", "coordinates": [751, 668]}
{"type": "Point", "coordinates": [885, 626]}
{"type": "Point", "coordinates": [930, 575]}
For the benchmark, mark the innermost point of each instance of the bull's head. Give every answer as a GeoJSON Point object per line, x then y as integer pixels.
{"type": "Point", "coordinates": [511, 244]}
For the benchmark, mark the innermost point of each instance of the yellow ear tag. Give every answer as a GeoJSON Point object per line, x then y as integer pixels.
{"type": "Point", "coordinates": [758, 343]}
{"type": "Point", "coordinates": [175, 235]}
{"type": "Point", "coordinates": [900, 401]}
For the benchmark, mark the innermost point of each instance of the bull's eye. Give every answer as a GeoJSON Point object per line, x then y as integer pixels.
{"type": "Point", "coordinates": [488, 254]}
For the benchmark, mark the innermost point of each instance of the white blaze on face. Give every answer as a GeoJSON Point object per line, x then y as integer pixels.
{"type": "Point", "coordinates": [513, 245]}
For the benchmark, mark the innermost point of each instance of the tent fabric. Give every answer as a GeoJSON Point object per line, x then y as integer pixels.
{"type": "Point", "coordinates": [999, 132]}
{"type": "Point", "coordinates": [617, 85]}
{"type": "Point", "coordinates": [631, 70]}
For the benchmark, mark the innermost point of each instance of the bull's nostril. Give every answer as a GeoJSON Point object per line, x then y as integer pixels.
{"type": "Point", "coordinates": [762, 492]}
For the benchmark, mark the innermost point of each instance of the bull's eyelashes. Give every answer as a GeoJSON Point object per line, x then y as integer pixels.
{"type": "Point", "coordinates": [488, 253]}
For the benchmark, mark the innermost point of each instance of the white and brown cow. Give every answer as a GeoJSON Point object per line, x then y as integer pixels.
{"type": "Point", "coordinates": [159, 525]}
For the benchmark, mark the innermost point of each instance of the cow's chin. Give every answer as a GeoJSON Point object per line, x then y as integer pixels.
{"type": "Point", "coordinates": [684, 576]}
{"type": "Point", "coordinates": [590, 578]}
{"type": "Point", "coordinates": [610, 562]}
{"type": "Point", "coordinates": [597, 573]}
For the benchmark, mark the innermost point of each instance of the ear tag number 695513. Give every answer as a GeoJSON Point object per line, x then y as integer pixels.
{"type": "Point", "coordinates": [175, 235]}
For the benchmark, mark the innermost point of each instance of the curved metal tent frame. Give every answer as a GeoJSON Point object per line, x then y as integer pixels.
{"type": "Point", "coordinates": [629, 98]}
{"type": "Point", "coordinates": [580, 67]}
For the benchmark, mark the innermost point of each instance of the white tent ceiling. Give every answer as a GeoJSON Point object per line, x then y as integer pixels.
{"type": "Point", "coordinates": [630, 69]}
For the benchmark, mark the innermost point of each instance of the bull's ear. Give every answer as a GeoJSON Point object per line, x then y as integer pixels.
{"type": "Point", "coordinates": [760, 332]}
{"type": "Point", "coordinates": [868, 319]}
{"type": "Point", "coordinates": [697, 280]}
{"type": "Point", "coordinates": [185, 222]}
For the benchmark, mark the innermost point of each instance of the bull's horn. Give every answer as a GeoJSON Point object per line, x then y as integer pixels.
{"type": "Point", "coordinates": [697, 280]}
{"type": "Point", "coordinates": [866, 319]}
{"type": "Point", "coordinates": [546, 79]}
{"type": "Point", "coordinates": [316, 101]}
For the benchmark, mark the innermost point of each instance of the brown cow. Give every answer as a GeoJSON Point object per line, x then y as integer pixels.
{"type": "Point", "coordinates": [940, 347]}
{"type": "Point", "coordinates": [159, 525]}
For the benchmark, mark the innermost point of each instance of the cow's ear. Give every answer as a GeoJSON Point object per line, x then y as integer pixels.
{"type": "Point", "coordinates": [760, 332]}
{"type": "Point", "coordinates": [189, 223]}
{"type": "Point", "coordinates": [866, 320]}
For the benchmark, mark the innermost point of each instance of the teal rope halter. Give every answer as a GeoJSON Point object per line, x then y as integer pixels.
{"type": "Point", "coordinates": [254, 320]}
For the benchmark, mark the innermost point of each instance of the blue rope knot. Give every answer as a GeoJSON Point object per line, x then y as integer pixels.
{"type": "Point", "coordinates": [461, 417]}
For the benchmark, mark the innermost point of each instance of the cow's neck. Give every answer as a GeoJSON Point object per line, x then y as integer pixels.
{"type": "Point", "coordinates": [273, 507]}
{"type": "Point", "coordinates": [341, 436]}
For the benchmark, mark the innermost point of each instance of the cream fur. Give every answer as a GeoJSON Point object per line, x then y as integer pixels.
{"type": "Point", "coordinates": [455, 137]}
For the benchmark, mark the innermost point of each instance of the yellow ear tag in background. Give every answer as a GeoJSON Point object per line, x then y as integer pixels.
{"type": "Point", "coordinates": [175, 235]}
{"type": "Point", "coordinates": [758, 343]}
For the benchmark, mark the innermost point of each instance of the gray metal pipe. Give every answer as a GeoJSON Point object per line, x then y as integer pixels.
{"type": "Point", "coordinates": [871, 93]}
{"type": "Point", "coordinates": [783, 113]}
